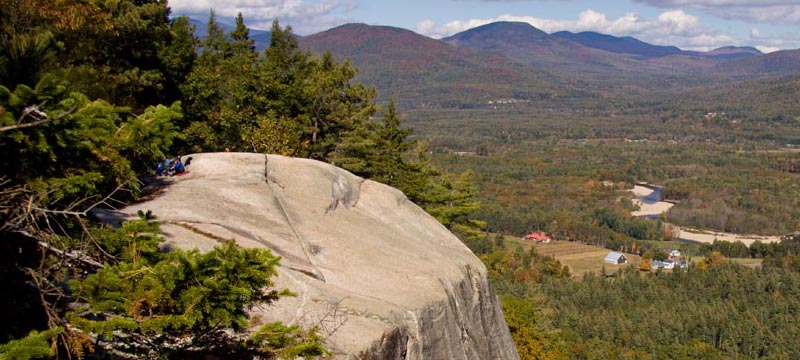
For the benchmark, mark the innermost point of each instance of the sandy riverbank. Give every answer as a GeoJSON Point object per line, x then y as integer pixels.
{"type": "Point", "coordinates": [649, 202]}
{"type": "Point", "coordinates": [650, 205]}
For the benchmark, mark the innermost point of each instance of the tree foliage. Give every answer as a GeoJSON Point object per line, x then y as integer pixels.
{"type": "Point", "coordinates": [161, 304]}
{"type": "Point", "coordinates": [92, 94]}
{"type": "Point", "coordinates": [383, 151]}
{"type": "Point", "coordinates": [284, 101]}
{"type": "Point", "coordinates": [714, 310]}
{"type": "Point", "coordinates": [81, 124]}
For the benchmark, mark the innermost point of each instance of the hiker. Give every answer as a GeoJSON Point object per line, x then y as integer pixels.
{"type": "Point", "coordinates": [177, 166]}
{"type": "Point", "coordinates": [160, 170]}
{"type": "Point", "coordinates": [163, 167]}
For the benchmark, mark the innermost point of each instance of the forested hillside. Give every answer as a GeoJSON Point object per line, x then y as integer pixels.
{"type": "Point", "coordinates": [421, 72]}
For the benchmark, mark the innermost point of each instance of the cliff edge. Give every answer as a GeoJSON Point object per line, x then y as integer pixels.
{"type": "Point", "coordinates": [380, 277]}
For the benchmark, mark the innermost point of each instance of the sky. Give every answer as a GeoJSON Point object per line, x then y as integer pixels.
{"type": "Point", "coordinates": [701, 25]}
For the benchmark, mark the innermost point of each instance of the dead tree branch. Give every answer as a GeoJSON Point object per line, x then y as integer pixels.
{"type": "Point", "coordinates": [39, 118]}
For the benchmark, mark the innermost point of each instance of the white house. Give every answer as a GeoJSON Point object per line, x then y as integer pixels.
{"type": "Point", "coordinates": [616, 258]}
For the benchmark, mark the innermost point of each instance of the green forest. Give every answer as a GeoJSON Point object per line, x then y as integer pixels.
{"type": "Point", "coordinates": [571, 188]}
{"type": "Point", "coordinates": [713, 310]}
{"type": "Point", "coordinates": [93, 94]}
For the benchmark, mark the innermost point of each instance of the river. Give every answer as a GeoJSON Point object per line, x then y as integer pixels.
{"type": "Point", "coordinates": [650, 206]}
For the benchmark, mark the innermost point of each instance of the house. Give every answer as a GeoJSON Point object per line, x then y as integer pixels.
{"type": "Point", "coordinates": [674, 254]}
{"type": "Point", "coordinates": [616, 258]}
{"type": "Point", "coordinates": [538, 237]}
{"type": "Point", "coordinates": [666, 264]}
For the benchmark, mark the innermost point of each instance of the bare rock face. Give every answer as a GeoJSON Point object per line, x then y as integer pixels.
{"type": "Point", "coordinates": [380, 277]}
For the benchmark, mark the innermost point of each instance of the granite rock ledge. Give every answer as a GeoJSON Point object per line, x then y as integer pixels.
{"type": "Point", "coordinates": [382, 278]}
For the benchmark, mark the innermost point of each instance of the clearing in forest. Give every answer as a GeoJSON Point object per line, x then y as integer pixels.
{"type": "Point", "coordinates": [582, 258]}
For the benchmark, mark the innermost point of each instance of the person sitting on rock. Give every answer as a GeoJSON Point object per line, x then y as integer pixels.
{"type": "Point", "coordinates": [164, 167]}
{"type": "Point", "coordinates": [177, 166]}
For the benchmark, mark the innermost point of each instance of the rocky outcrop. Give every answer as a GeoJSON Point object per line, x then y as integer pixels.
{"type": "Point", "coordinates": [380, 277]}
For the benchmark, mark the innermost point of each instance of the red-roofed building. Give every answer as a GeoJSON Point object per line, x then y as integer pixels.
{"type": "Point", "coordinates": [538, 237]}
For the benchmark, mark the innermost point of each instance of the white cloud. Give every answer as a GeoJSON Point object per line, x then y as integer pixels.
{"type": "Point", "coordinates": [767, 49]}
{"type": "Point", "coordinates": [770, 43]}
{"type": "Point", "coordinates": [426, 26]}
{"type": "Point", "coordinates": [677, 22]}
{"type": "Point", "coordinates": [763, 14]}
{"type": "Point", "coordinates": [304, 16]}
{"type": "Point", "coordinates": [782, 11]}
{"type": "Point", "coordinates": [716, 3]}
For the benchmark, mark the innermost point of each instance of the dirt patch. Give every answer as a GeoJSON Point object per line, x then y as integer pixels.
{"type": "Point", "coordinates": [708, 237]}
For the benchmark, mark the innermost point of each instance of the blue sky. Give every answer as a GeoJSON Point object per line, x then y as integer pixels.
{"type": "Point", "coordinates": [689, 24]}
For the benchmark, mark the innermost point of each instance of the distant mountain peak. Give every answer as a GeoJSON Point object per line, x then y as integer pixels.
{"type": "Point", "coordinates": [620, 45]}
{"type": "Point", "coordinates": [509, 25]}
{"type": "Point", "coordinates": [362, 31]}
{"type": "Point", "coordinates": [744, 49]}
{"type": "Point", "coordinates": [364, 27]}
{"type": "Point", "coordinates": [733, 52]}
{"type": "Point", "coordinates": [511, 30]}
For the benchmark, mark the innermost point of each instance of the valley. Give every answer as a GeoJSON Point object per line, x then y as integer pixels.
{"type": "Point", "coordinates": [717, 131]}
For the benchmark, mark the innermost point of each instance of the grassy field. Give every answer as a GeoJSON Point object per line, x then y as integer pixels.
{"type": "Point", "coordinates": [753, 263]}
{"type": "Point", "coordinates": [580, 258]}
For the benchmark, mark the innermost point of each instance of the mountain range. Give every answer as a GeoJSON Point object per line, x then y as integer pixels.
{"type": "Point", "coordinates": [642, 50]}
{"type": "Point", "coordinates": [516, 62]}
{"type": "Point", "coordinates": [424, 71]}
{"type": "Point", "coordinates": [513, 60]}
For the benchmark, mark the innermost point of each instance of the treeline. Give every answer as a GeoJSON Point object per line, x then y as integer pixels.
{"type": "Point", "coordinates": [92, 95]}
{"type": "Point", "coordinates": [604, 119]}
{"type": "Point", "coordinates": [778, 254]}
{"type": "Point", "coordinates": [714, 310]}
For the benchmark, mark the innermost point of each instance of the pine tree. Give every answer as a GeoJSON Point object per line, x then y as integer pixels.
{"type": "Point", "coordinates": [215, 45]}
{"type": "Point", "coordinates": [376, 149]}
{"type": "Point", "coordinates": [242, 44]}
{"type": "Point", "coordinates": [150, 301]}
